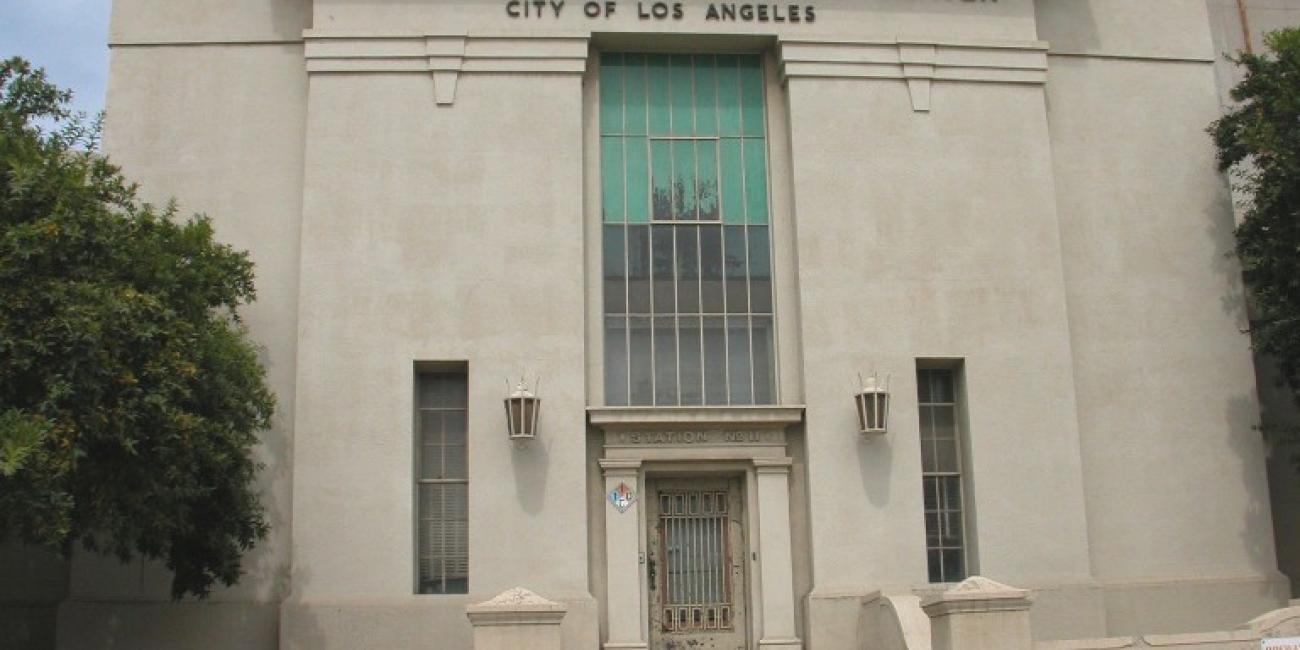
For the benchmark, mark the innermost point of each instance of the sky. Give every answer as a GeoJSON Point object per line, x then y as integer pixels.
{"type": "Point", "coordinates": [69, 38]}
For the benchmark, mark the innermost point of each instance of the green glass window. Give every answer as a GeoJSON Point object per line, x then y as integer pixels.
{"type": "Point", "coordinates": [686, 258]}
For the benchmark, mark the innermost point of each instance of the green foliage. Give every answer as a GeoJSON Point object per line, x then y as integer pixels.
{"type": "Point", "coordinates": [1259, 143]}
{"type": "Point", "coordinates": [130, 396]}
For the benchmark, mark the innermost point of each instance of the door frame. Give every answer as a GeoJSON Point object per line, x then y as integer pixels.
{"type": "Point", "coordinates": [652, 471]}
{"type": "Point", "coordinates": [692, 441]}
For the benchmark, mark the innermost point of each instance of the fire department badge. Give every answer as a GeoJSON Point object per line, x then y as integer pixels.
{"type": "Point", "coordinates": [622, 497]}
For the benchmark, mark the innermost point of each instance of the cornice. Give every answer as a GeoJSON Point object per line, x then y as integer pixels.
{"type": "Point", "coordinates": [444, 56]}
{"type": "Point", "coordinates": [919, 62]}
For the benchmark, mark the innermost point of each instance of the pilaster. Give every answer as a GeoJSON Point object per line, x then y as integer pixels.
{"type": "Point", "coordinates": [775, 557]}
{"type": "Point", "coordinates": [623, 554]}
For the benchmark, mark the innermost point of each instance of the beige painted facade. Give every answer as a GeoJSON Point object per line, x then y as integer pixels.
{"type": "Point", "coordinates": [1018, 190]}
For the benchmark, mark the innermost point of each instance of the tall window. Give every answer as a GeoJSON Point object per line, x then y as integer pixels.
{"type": "Point", "coordinates": [687, 260]}
{"type": "Point", "coordinates": [442, 484]}
{"type": "Point", "coordinates": [941, 471]}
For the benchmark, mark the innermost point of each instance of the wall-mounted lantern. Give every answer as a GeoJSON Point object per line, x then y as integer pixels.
{"type": "Point", "coordinates": [522, 408]}
{"type": "Point", "coordinates": [873, 407]}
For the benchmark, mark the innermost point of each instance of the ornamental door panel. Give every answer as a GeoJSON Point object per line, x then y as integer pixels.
{"type": "Point", "coordinates": [696, 564]}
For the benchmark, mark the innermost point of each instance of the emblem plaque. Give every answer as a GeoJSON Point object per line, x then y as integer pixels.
{"type": "Point", "coordinates": [622, 497]}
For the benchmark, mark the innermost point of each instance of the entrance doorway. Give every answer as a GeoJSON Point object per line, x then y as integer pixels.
{"type": "Point", "coordinates": [696, 568]}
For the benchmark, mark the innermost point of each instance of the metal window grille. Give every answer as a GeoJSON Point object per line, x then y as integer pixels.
{"type": "Point", "coordinates": [687, 246]}
{"type": "Point", "coordinates": [941, 474]}
{"type": "Point", "coordinates": [442, 484]}
{"type": "Point", "coordinates": [696, 576]}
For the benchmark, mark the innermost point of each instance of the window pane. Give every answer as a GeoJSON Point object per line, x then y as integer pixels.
{"type": "Point", "coordinates": [638, 269]}
{"type": "Point", "coordinates": [953, 569]}
{"type": "Point", "coordinates": [634, 89]}
{"type": "Point", "coordinates": [611, 93]}
{"type": "Point", "coordinates": [738, 369]}
{"type": "Point", "coordinates": [951, 529]}
{"type": "Point", "coordinates": [616, 361]}
{"type": "Point", "coordinates": [928, 453]}
{"type": "Point", "coordinates": [715, 361]}
{"type": "Point", "coordinates": [688, 342]}
{"type": "Point", "coordinates": [454, 427]}
{"type": "Point", "coordinates": [442, 544]}
{"type": "Point", "coordinates": [442, 390]}
{"type": "Point", "coordinates": [615, 274]}
{"type": "Point", "coordinates": [923, 392]}
{"type": "Point", "coordinates": [637, 153]}
{"type": "Point", "coordinates": [728, 95]}
{"type": "Point", "coordinates": [706, 98]}
{"type": "Point", "coordinates": [949, 492]}
{"type": "Point", "coordinates": [764, 361]}
{"type": "Point", "coordinates": [760, 271]}
{"type": "Point", "coordinates": [941, 386]}
{"type": "Point", "coordinates": [611, 178]}
{"type": "Point", "coordinates": [711, 269]}
{"type": "Point", "coordinates": [735, 265]}
{"type": "Point", "coordinates": [936, 569]}
{"type": "Point", "coordinates": [641, 383]}
{"type": "Point", "coordinates": [732, 191]}
{"type": "Point", "coordinates": [661, 183]}
{"type": "Point", "coordinates": [454, 465]}
{"type": "Point", "coordinates": [661, 248]}
{"type": "Point", "coordinates": [946, 456]}
{"type": "Point", "coordinates": [927, 422]}
{"type": "Point", "coordinates": [657, 87]}
{"type": "Point", "coordinates": [665, 342]}
{"type": "Point", "coordinates": [707, 181]}
{"type": "Point", "coordinates": [431, 427]}
{"type": "Point", "coordinates": [680, 78]}
{"type": "Point", "coordinates": [688, 271]}
{"type": "Point", "coordinates": [684, 190]}
{"type": "Point", "coordinates": [751, 95]}
{"type": "Point", "coordinates": [945, 425]}
{"type": "Point", "coordinates": [689, 130]}
{"type": "Point", "coordinates": [755, 181]}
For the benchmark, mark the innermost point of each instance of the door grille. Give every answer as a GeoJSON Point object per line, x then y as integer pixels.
{"type": "Point", "coordinates": [696, 576]}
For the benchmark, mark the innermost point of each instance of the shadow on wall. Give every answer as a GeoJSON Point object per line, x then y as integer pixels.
{"type": "Point", "coordinates": [531, 460]}
{"type": "Point", "coordinates": [290, 17]}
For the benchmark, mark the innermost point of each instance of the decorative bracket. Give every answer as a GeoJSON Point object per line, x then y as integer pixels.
{"type": "Point", "coordinates": [446, 56]}
{"type": "Point", "coordinates": [918, 61]}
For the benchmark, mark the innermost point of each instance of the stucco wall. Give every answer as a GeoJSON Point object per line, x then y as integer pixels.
{"type": "Point", "coordinates": [219, 128]}
{"type": "Point", "coordinates": [1164, 378]}
{"type": "Point", "coordinates": [437, 233]}
{"type": "Point", "coordinates": [1063, 240]}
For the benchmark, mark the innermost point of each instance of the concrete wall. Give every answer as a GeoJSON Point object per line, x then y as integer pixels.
{"type": "Point", "coordinates": [1047, 213]}
{"type": "Point", "coordinates": [1165, 383]}
{"type": "Point", "coordinates": [1279, 416]}
{"type": "Point", "coordinates": [33, 582]}
{"type": "Point", "coordinates": [437, 233]}
{"type": "Point", "coordinates": [217, 125]}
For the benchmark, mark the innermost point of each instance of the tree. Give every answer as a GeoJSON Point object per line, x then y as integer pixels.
{"type": "Point", "coordinates": [130, 396]}
{"type": "Point", "coordinates": [1259, 143]}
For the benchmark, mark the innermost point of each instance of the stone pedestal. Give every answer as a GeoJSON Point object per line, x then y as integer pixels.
{"type": "Point", "coordinates": [516, 618]}
{"type": "Point", "coordinates": [980, 614]}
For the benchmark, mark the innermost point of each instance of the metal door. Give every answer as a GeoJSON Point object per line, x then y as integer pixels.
{"type": "Point", "coordinates": [696, 564]}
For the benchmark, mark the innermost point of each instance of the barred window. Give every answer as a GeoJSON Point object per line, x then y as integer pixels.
{"type": "Point", "coordinates": [686, 258]}
{"type": "Point", "coordinates": [442, 485]}
{"type": "Point", "coordinates": [941, 472]}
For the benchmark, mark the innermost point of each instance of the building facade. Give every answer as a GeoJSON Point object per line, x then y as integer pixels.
{"type": "Point", "coordinates": [697, 229]}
